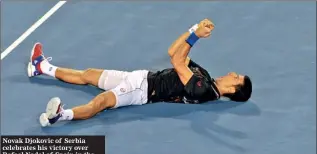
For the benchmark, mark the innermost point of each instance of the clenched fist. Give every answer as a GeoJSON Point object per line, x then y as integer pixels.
{"type": "Point", "coordinates": [204, 28]}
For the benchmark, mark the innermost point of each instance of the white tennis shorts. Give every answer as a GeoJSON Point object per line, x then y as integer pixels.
{"type": "Point", "coordinates": [130, 88]}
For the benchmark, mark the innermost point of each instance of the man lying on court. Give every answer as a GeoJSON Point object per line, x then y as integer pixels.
{"type": "Point", "coordinates": [187, 82]}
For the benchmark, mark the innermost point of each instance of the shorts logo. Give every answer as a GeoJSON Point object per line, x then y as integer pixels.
{"type": "Point", "coordinates": [122, 90]}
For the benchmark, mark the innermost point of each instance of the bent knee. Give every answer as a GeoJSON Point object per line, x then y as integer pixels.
{"type": "Point", "coordinates": [91, 76]}
{"type": "Point", "coordinates": [103, 101]}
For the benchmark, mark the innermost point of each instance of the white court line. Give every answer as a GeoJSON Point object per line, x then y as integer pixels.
{"type": "Point", "coordinates": [32, 28]}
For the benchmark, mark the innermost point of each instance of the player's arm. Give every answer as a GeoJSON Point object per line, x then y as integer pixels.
{"type": "Point", "coordinates": [178, 61]}
{"type": "Point", "coordinates": [181, 47]}
{"type": "Point", "coordinates": [181, 40]}
{"type": "Point", "coordinates": [178, 43]}
{"type": "Point", "coordinates": [187, 61]}
{"type": "Point", "coordinates": [195, 86]}
{"type": "Point", "coordinates": [181, 60]}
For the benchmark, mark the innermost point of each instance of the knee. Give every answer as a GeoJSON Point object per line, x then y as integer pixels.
{"type": "Point", "coordinates": [103, 101]}
{"type": "Point", "coordinates": [99, 103]}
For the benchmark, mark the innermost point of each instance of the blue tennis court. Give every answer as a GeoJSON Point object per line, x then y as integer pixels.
{"type": "Point", "coordinates": [273, 42]}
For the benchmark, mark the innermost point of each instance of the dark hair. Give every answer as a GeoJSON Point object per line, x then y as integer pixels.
{"type": "Point", "coordinates": [243, 92]}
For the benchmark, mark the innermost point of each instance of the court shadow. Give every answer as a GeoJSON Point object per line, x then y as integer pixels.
{"type": "Point", "coordinates": [194, 113]}
{"type": "Point", "coordinates": [202, 117]}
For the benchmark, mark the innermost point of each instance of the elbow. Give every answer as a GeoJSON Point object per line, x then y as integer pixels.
{"type": "Point", "coordinates": [171, 52]}
{"type": "Point", "coordinates": [176, 62]}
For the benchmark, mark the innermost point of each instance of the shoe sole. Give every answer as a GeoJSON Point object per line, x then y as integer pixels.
{"type": "Point", "coordinates": [51, 109]}
{"type": "Point", "coordinates": [29, 70]}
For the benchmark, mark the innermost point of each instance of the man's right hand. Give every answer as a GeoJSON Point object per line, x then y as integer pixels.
{"type": "Point", "coordinates": [204, 28]}
{"type": "Point", "coordinates": [206, 22]}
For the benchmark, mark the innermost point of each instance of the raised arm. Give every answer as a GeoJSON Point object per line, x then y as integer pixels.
{"type": "Point", "coordinates": [179, 43]}
{"type": "Point", "coordinates": [179, 50]}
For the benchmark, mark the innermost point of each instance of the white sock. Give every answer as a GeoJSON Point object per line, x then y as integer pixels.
{"type": "Point", "coordinates": [67, 114]}
{"type": "Point", "coordinates": [48, 68]}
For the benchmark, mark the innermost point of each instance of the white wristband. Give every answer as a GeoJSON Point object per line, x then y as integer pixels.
{"type": "Point", "coordinates": [193, 28]}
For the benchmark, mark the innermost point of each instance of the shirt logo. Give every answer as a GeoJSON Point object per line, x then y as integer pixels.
{"type": "Point", "coordinates": [122, 90]}
{"type": "Point", "coordinates": [199, 83]}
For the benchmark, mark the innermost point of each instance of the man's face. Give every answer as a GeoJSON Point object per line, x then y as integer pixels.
{"type": "Point", "coordinates": [232, 79]}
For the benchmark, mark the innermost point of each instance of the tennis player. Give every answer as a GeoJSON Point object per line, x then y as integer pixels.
{"type": "Point", "coordinates": [187, 82]}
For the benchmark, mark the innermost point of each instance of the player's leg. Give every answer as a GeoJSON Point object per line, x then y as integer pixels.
{"type": "Point", "coordinates": [104, 79]}
{"type": "Point", "coordinates": [131, 91]}
{"type": "Point", "coordinates": [55, 111]}
{"type": "Point", "coordinates": [81, 77]}
{"type": "Point", "coordinates": [101, 102]}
